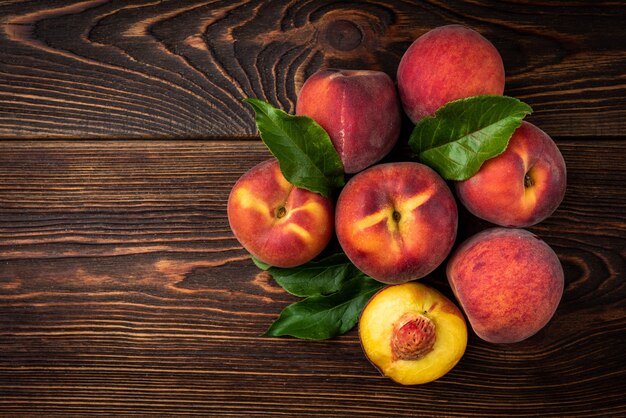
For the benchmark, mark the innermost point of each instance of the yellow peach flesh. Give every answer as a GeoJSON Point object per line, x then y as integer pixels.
{"type": "Point", "coordinates": [390, 305]}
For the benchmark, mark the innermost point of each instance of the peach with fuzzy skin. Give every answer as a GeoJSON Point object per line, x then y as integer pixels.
{"type": "Point", "coordinates": [359, 109]}
{"type": "Point", "coordinates": [508, 282]}
{"type": "Point", "coordinates": [412, 333]}
{"type": "Point", "coordinates": [522, 186]}
{"type": "Point", "coordinates": [447, 63]}
{"type": "Point", "coordinates": [280, 224]}
{"type": "Point", "coordinates": [397, 221]}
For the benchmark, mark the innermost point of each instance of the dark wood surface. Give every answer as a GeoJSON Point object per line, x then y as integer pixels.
{"type": "Point", "coordinates": [122, 289]}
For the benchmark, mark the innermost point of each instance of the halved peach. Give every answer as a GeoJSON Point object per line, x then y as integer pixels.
{"type": "Point", "coordinates": [412, 333]}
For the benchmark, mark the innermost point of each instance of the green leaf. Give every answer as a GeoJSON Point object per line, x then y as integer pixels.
{"type": "Point", "coordinates": [326, 316]}
{"type": "Point", "coordinates": [322, 277]}
{"type": "Point", "coordinates": [260, 264]}
{"type": "Point", "coordinates": [305, 153]}
{"type": "Point", "coordinates": [463, 134]}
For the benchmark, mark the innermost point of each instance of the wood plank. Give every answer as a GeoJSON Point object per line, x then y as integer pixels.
{"type": "Point", "coordinates": [139, 69]}
{"type": "Point", "coordinates": [123, 291]}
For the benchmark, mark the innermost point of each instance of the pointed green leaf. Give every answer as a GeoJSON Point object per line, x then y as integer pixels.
{"type": "Point", "coordinates": [322, 277]}
{"type": "Point", "coordinates": [326, 316]}
{"type": "Point", "coordinates": [260, 264]}
{"type": "Point", "coordinates": [305, 153]}
{"type": "Point", "coordinates": [463, 134]}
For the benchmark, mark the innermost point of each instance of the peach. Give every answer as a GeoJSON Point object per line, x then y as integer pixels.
{"type": "Point", "coordinates": [412, 333]}
{"type": "Point", "coordinates": [359, 110]}
{"type": "Point", "coordinates": [520, 187]}
{"type": "Point", "coordinates": [397, 221]}
{"type": "Point", "coordinates": [508, 281]}
{"type": "Point", "coordinates": [280, 224]}
{"type": "Point", "coordinates": [447, 63]}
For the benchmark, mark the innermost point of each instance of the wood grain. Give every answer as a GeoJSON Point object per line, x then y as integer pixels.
{"type": "Point", "coordinates": [152, 69]}
{"type": "Point", "coordinates": [123, 292]}
{"type": "Point", "coordinates": [122, 289]}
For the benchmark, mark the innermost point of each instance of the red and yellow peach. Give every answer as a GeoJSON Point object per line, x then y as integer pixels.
{"type": "Point", "coordinates": [359, 109]}
{"type": "Point", "coordinates": [280, 224]}
{"type": "Point", "coordinates": [447, 63]}
{"type": "Point", "coordinates": [508, 282]}
{"type": "Point", "coordinates": [397, 221]}
{"type": "Point", "coordinates": [520, 187]}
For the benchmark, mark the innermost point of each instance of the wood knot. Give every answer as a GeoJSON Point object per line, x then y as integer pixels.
{"type": "Point", "coordinates": [343, 35]}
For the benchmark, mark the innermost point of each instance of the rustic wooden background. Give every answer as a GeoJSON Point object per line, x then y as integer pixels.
{"type": "Point", "coordinates": [122, 289]}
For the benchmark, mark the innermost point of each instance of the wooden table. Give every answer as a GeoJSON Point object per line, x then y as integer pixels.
{"type": "Point", "coordinates": [122, 288]}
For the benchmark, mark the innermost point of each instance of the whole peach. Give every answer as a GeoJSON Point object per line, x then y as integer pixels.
{"type": "Point", "coordinates": [520, 187]}
{"type": "Point", "coordinates": [280, 224]}
{"type": "Point", "coordinates": [508, 281]}
{"type": "Point", "coordinates": [447, 63]}
{"type": "Point", "coordinates": [360, 111]}
{"type": "Point", "coordinates": [397, 221]}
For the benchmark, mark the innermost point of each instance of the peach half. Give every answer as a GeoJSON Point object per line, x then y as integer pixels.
{"type": "Point", "coordinates": [508, 281]}
{"type": "Point", "coordinates": [520, 187]}
{"type": "Point", "coordinates": [447, 63]}
{"type": "Point", "coordinates": [412, 333]}
{"type": "Point", "coordinates": [397, 221]}
{"type": "Point", "coordinates": [359, 109]}
{"type": "Point", "coordinates": [280, 224]}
